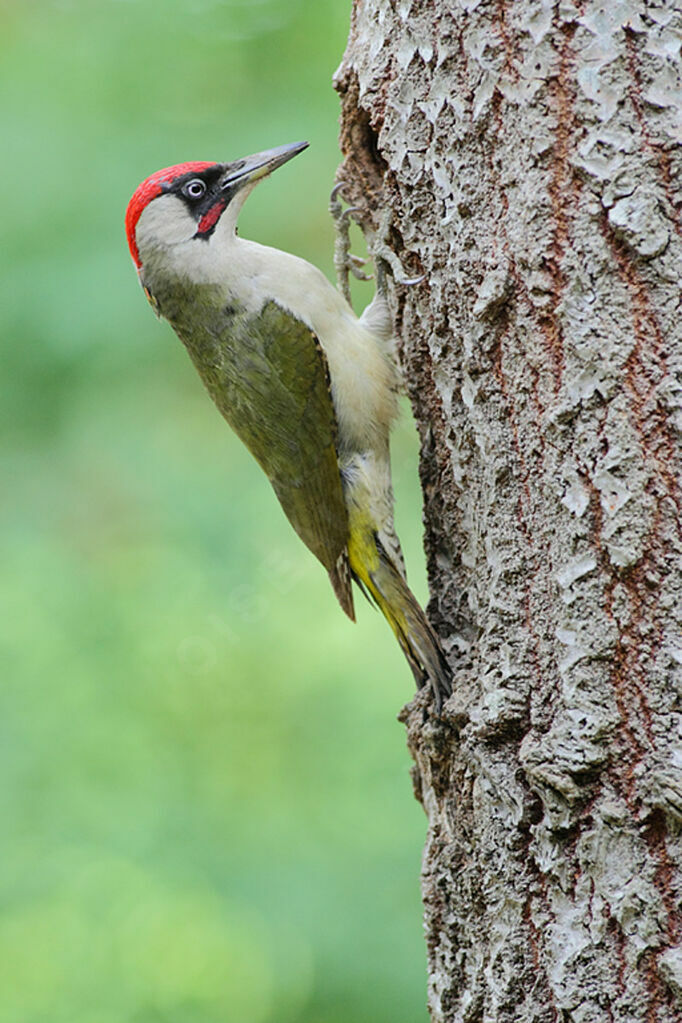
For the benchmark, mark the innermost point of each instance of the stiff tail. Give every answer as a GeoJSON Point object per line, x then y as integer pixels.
{"type": "Point", "coordinates": [340, 577]}
{"type": "Point", "coordinates": [378, 576]}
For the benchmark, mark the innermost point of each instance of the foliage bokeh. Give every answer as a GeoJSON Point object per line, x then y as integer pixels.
{"type": "Point", "coordinates": [206, 806]}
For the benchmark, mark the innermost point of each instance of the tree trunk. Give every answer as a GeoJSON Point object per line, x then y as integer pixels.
{"type": "Point", "coordinates": [529, 155]}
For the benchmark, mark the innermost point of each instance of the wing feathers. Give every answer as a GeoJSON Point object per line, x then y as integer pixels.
{"type": "Point", "coordinates": [268, 376]}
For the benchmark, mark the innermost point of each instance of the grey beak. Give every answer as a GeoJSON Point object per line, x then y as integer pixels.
{"type": "Point", "coordinates": [257, 166]}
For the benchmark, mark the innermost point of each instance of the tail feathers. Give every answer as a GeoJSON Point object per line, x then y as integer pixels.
{"type": "Point", "coordinates": [416, 637]}
{"type": "Point", "coordinates": [340, 578]}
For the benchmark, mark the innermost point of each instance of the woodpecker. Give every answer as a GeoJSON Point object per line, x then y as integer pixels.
{"type": "Point", "coordinates": [308, 387]}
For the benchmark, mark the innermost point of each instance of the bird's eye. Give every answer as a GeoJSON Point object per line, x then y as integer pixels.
{"type": "Point", "coordinates": [195, 189]}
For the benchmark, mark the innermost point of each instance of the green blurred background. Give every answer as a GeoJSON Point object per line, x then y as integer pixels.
{"type": "Point", "coordinates": [207, 815]}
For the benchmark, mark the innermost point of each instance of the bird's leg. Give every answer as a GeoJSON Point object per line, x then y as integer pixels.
{"type": "Point", "coordinates": [382, 255]}
{"type": "Point", "coordinates": [344, 260]}
{"type": "Point", "coordinates": [377, 316]}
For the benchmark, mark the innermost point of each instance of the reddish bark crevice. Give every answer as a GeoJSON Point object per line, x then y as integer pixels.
{"type": "Point", "coordinates": [660, 154]}
{"type": "Point", "coordinates": [524, 516]}
{"type": "Point", "coordinates": [507, 40]}
{"type": "Point", "coordinates": [563, 188]}
{"type": "Point", "coordinates": [536, 945]}
{"type": "Point", "coordinates": [640, 638]}
{"type": "Point", "coordinates": [655, 834]}
{"type": "Point", "coordinates": [626, 669]}
{"type": "Point", "coordinates": [615, 929]}
{"type": "Point", "coordinates": [645, 368]}
{"type": "Point", "coordinates": [661, 1008]}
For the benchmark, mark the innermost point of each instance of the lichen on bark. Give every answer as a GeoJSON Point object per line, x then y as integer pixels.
{"type": "Point", "coordinates": [530, 154]}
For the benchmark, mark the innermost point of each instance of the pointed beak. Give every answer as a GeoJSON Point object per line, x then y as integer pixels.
{"type": "Point", "coordinates": [253, 168]}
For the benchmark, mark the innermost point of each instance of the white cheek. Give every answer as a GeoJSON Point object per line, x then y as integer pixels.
{"type": "Point", "coordinates": [164, 222]}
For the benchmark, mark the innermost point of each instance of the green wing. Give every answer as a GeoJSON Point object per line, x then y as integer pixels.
{"type": "Point", "coordinates": [268, 376]}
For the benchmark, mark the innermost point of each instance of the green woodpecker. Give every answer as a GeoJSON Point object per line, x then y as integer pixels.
{"type": "Point", "coordinates": [307, 386]}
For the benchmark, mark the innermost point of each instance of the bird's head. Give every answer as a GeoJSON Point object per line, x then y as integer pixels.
{"type": "Point", "coordinates": [186, 202]}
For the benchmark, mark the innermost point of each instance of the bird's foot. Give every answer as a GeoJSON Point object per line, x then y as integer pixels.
{"type": "Point", "coordinates": [383, 256]}
{"type": "Point", "coordinates": [344, 260]}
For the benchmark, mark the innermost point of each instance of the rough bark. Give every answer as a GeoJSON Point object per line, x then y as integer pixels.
{"type": "Point", "coordinates": [530, 155]}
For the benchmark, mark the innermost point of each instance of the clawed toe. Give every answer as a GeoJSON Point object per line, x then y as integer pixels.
{"type": "Point", "coordinates": [383, 257]}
